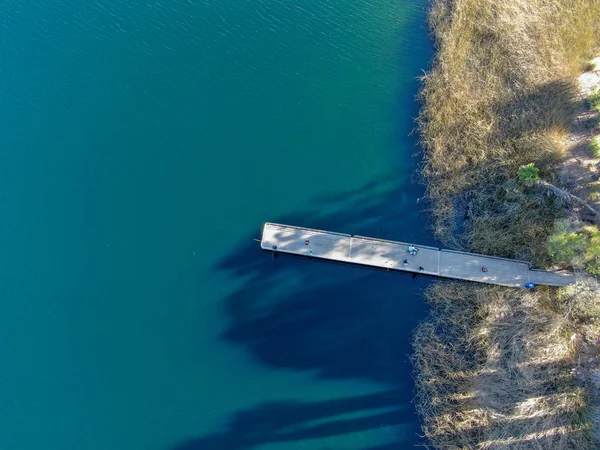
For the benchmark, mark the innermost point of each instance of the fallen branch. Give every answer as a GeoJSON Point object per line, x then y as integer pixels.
{"type": "Point", "coordinates": [566, 197]}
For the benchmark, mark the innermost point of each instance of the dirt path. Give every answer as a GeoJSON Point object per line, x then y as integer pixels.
{"type": "Point", "coordinates": [580, 173]}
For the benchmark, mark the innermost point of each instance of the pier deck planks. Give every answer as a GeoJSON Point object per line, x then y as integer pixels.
{"type": "Point", "coordinates": [390, 255]}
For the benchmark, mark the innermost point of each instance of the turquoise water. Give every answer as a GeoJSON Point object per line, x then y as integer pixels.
{"type": "Point", "coordinates": [143, 145]}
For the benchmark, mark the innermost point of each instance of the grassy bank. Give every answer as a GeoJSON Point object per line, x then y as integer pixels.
{"type": "Point", "coordinates": [497, 367]}
{"type": "Point", "coordinates": [502, 94]}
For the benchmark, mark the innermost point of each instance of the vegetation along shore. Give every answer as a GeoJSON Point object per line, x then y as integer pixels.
{"type": "Point", "coordinates": [509, 125]}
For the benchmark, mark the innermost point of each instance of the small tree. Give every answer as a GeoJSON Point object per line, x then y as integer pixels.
{"type": "Point", "coordinates": [529, 174]}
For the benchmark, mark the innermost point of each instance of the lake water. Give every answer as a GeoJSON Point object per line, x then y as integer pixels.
{"type": "Point", "coordinates": [143, 144]}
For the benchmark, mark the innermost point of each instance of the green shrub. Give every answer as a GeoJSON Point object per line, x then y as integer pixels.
{"type": "Point", "coordinates": [593, 267]}
{"type": "Point", "coordinates": [529, 174]}
{"type": "Point", "coordinates": [592, 254]}
{"type": "Point", "coordinates": [595, 147]}
{"type": "Point", "coordinates": [566, 247]}
{"type": "Point", "coordinates": [575, 246]}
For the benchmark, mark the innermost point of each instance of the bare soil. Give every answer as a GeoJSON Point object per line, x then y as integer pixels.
{"type": "Point", "coordinates": [580, 173]}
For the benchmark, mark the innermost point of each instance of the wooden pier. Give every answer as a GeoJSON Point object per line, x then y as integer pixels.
{"type": "Point", "coordinates": [395, 256]}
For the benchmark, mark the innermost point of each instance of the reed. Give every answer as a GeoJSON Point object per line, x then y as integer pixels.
{"type": "Point", "coordinates": [500, 368]}
{"type": "Point", "coordinates": [502, 93]}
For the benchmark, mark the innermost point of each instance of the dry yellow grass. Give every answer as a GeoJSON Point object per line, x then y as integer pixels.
{"type": "Point", "coordinates": [501, 93]}
{"type": "Point", "coordinates": [497, 368]}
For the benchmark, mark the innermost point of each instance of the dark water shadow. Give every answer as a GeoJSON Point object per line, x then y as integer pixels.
{"type": "Point", "coordinates": [335, 321]}
{"type": "Point", "coordinates": [288, 421]}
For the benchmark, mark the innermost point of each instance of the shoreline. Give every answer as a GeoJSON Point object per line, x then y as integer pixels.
{"type": "Point", "coordinates": [504, 123]}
